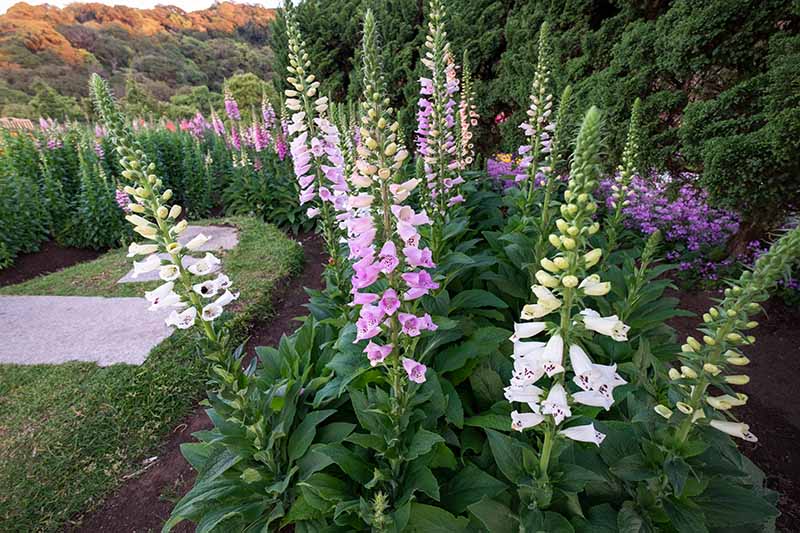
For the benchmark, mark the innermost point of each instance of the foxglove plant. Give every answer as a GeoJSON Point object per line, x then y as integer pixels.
{"type": "Point", "coordinates": [385, 244]}
{"type": "Point", "coordinates": [436, 135]}
{"type": "Point", "coordinates": [621, 191]}
{"type": "Point", "coordinates": [468, 116]}
{"type": "Point", "coordinates": [539, 125]}
{"type": "Point", "coordinates": [314, 145]}
{"type": "Point", "coordinates": [716, 362]}
{"type": "Point", "coordinates": [564, 284]}
{"type": "Point", "coordinates": [197, 294]}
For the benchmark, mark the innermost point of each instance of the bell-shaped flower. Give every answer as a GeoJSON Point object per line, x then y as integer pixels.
{"type": "Point", "coordinates": [596, 381]}
{"type": "Point", "coordinates": [169, 272]}
{"type": "Point", "coordinates": [182, 320]}
{"type": "Point", "coordinates": [206, 289]}
{"type": "Point", "coordinates": [734, 429]}
{"type": "Point", "coordinates": [376, 353]}
{"type": "Point", "coordinates": [419, 283]}
{"type": "Point", "coordinates": [363, 298]}
{"type": "Point", "coordinates": [135, 249]}
{"type": "Point", "coordinates": [525, 330]}
{"type": "Point", "coordinates": [592, 286]}
{"type": "Point", "coordinates": [417, 258]}
{"type": "Point", "coordinates": [388, 257]}
{"type": "Point", "coordinates": [198, 241]}
{"type": "Point", "coordinates": [556, 404]}
{"type": "Point", "coordinates": [537, 361]}
{"type": "Point", "coordinates": [389, 302]}
{"type": "Point", "coordinates": [213, 310]}
{"type": "Point", "coordinates": [529, 394]}
{"type": "Point", "coordinates": [400, 191]}
{"type": "Point", "coordinates": [416, 371]}
{"type": "Point", "coordinates": [163, 296]}
{"type": "Point", "coordinates": [150, 263]}
{"type": "Point", "coordinates": [726, 401]}
{"type": "Point", "coordinates": [369, 322]}
{"type": "Point", "coordinates": [611, 326]}
{"type": "Point", "coordinates": [546, 303]}
{"type": "Point", "coordinates": [366, 273]}
{"type": "Point", "coordinates": [586, 433]}
{"type": "Point", "coordinates": [529, 349]}
{"type": "Point", "coordinates": [522, 421]}
{"type": "Point", "coordinates": [207, 265]}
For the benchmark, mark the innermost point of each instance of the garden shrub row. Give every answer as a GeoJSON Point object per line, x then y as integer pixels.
{"type": "Point", "coordinates": [63, 182]}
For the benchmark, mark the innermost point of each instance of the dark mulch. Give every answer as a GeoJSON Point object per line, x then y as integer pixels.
{"type": "Point", "coordinates": [50, 258]}
{"type": "Point", "coordinates": [144, 503]}
{"type": "Point", "coordinates": [771, 411]}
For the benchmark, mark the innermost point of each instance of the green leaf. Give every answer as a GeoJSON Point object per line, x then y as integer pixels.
{"type": "Point", "coordinates": [350, 463]}
{"type": "Point", "coordinates": [487, 385]}
{"type": "Point", "coordinates": [490, 421]}
{"type": "Point", "coordinates": [728, 505]}
{"type": "Point", "coordinates": [574, 477]}
{"type": "Point", "coordinates": [476, 298]}
{"type": "Point", "coordinates": [430, 519]}
{"type": "Point", "coordinates": [419, 478]}
{"type": "Point", "coordinates": [304, 433]}
{"type": "Point", "coordinates": [677, 472]}
{"type": "Point", "coordinates": [495, 517]}
{"type": "Point", "coordinates": [469, 486]}
{"type": "Point", "coordinates": [300, 511]}
{"type": "Point", "coordinates": [632, 468]}
{"type": "Point", "coordinates": [421, 443]}
{"type": "Point", "coordinates": [481, 343]}
{"type": "Point", "coordinates": [683, 518]}
{"type": "Point", "coordinates": [507, 454]}
{"type": "Point", "coordinates": [628, 519]}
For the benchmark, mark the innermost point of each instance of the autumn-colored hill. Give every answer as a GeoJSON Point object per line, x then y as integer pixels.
{"type": "Point", "coordinates": [37, 26]}
{"type": "Point", "coordinates": [165, 49]}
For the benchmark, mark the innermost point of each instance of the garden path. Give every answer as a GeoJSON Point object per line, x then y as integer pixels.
{"type": "Point", "coordinates": [221, 238]}
{"type": "Point", "coordinates": [56, 329]}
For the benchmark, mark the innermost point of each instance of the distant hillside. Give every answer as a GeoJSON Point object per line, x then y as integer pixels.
{"type": "Point", "coordinates": [165, 49]}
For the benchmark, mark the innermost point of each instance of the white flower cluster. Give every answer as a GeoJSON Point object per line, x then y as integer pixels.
{"type": "Point", "coordinates": [170, 270]}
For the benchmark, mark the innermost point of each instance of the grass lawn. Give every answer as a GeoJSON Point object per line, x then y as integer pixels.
{"type": "Point", "coordinates": [69, 433]}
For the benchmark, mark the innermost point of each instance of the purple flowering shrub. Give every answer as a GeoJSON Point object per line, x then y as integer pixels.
{"type": "Point", "coordinates": [695, 232]}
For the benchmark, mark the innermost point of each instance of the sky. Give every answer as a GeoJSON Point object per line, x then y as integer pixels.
{"type": "Point", "coordinates": [186, 5]}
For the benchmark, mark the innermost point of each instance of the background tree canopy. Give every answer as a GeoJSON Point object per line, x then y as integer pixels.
{"type": "Point", "coordinates": [719, 80]}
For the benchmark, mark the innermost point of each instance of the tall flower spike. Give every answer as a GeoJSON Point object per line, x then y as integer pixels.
{"type": "Point", "coordinates": [157, 223]}
{"type": "Point", "coordinates": [318, 162]}
{"type": "Point", "coordinates": [436, 141]}
{"type": "Point", "coordinates": [468, 115]}
{"type": "Point", "coordinates": [539, 126]}
{"type": "Point", "coordinates": [717, 360]}
{"type": "Point", "coordinates": [564, 283]}
{"type": "Point", "coordinates": [383, 237]}
{"type": "Point", "coordinates": [625, 172]}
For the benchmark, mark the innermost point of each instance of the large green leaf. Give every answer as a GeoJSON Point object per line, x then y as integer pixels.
{"type": "Point", "coordinates": [507, 454]}
{"type": "Point", "coordinates": [430, 519]}
{"type": "Point", "coordinates": [495, 517]}
{"type": "Point", "coordinates": [476, 298]}
{"type": "Point", "coordinates": [421, 443]}
{"type": "Point", "coordinates": [727, 505]}
{"type": "Point", "coordinates": [469, 486]}
{"type": "Point", "coordinates": [303, 435]}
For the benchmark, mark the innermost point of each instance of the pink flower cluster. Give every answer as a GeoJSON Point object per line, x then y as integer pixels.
{"type": "Point", "coordinates": [316, 152]}
{"type": "Point", "coordinates": [374, 260]}
{"type": "Point", "coordinates": [439, 152]}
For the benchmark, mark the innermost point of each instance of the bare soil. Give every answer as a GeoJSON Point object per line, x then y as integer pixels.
{"type": "Point", "coordinates": [50, 258]}
{"type": "Point", "coordinates": [143, 503]}
{"type": "Point", "coordinates": [772, 409]}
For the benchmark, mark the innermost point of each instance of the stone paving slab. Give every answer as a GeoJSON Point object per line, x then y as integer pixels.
{"type": "Point", "coordinates": [56, 329]}
{"type": "Point", "coordinates": [222, 238]}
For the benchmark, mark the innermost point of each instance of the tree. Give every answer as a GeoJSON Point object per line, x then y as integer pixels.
{"type": "Point", "coordinates": [48, 103]}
